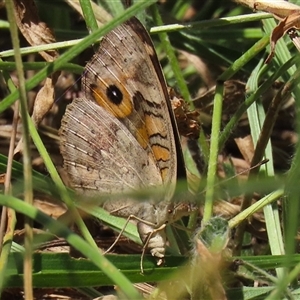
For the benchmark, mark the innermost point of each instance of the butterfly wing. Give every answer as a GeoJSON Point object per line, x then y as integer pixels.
{"type": "Point", "coordinates": [125, 78]}
{"type": "Point", "coordinates": [101, 156]}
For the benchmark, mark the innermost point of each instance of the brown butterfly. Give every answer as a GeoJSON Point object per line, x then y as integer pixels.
{"type": "Point", "coordinates": [122, 136]}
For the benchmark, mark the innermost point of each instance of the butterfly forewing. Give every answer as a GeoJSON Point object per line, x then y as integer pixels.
{"type": "Point", "coordinates": [122, 78]}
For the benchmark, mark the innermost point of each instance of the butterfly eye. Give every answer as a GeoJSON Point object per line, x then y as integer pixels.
{"type": "Point", "coordinates": [114, 94]}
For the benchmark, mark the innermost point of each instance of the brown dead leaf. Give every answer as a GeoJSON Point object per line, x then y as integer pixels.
{"type": "Point", "coordinates": [289, 16]}
{"type": "Point", "coordinates": [42, 104]}
{"type": "Point", "coordinates": [246, 147]}
{"type": "Point", "coordinates": [43, 101]}
{"type": "Point", "coordinates": [279, 8]}
{"type": "Point", "coordinates": [288, 23]}
{"type": "Point", "coordinates": [36, 32]}
{"type": "Point", "coordinates": [49, 206]}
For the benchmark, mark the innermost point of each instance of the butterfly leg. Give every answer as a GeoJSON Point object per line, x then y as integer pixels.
{"type": "Point", "coordinates": [118, 237]}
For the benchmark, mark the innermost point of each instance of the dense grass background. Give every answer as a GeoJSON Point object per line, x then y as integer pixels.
{"type": "Point", "coordinates": [213, 55]}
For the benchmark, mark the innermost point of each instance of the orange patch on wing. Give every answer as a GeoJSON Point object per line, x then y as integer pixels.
{"type": "Point", "coordinates": [160, 152]}
{"type": "Point", "coordinates": [122, 110]}
{"type": "Point", "coordinates": [155, 125]}
{"type": "Point", "coordinates": [142, 136]}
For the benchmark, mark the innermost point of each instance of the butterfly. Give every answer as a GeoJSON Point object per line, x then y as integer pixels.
{"type": "Point", "coordinates": [122, 135]}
